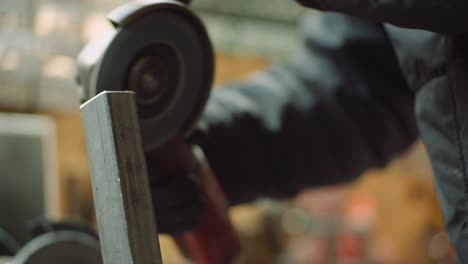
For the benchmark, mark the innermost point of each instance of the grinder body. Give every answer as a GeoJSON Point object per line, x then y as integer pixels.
{"type": "Point", "coordinates": [161, 51]}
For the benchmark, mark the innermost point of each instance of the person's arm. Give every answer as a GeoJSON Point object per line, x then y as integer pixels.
{"type": "Point", "coordinates": [324, 117]}
{"type": "Point", "coordinates": [443, 16]}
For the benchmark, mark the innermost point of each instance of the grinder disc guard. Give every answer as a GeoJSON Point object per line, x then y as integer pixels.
{"type": "Point", "coordinates": [161, 51]}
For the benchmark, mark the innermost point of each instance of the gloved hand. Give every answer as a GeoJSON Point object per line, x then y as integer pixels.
{"type": "Point", "coordinates": [177, 202]}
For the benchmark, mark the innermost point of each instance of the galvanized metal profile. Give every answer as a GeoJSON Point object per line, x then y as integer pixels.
{"type": "Point", "coordinates": [122, 198]}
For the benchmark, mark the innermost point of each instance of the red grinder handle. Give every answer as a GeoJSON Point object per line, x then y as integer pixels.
{"type": "Point", "coordinates": [214, 240]}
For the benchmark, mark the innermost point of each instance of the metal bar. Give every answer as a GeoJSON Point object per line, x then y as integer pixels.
{"type": "Point", "coordinates": [122, 198]}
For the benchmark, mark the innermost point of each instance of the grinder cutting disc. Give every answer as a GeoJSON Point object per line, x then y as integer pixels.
{"type": "Point", "coordinates": [160, 50]}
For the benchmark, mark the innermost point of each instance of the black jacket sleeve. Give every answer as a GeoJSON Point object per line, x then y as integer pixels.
{"type": "Point", "coordinates": [334, 110]}
{"type": "Point", "coordinates": [442, 16]}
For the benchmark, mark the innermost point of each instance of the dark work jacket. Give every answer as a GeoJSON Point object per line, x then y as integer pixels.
{"type": "Point", "coordinates": [369, 80]}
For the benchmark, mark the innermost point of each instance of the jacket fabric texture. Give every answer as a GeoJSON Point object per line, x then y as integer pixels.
{"type": "Point", "coordinates": [372, 76]}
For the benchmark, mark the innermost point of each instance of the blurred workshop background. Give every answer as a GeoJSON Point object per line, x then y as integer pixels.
{"type": "Point", "coordinates": [44, 170]}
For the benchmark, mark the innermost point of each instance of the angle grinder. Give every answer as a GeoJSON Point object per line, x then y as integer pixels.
{"type": "Point", "coordinates": [160, 50]}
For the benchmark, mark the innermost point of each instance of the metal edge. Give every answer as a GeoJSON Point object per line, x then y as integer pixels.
{"type": "Point", "coordinates": [209, 77]}
{"type": "Point", "coordinates": [127, 13]}
{"type": "Point", "coordinates": [89, 60]}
